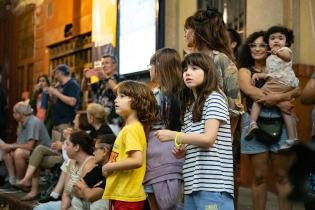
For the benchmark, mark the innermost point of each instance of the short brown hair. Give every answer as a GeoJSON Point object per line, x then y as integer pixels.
{"type": "Point", "coordinates": [142, 100]}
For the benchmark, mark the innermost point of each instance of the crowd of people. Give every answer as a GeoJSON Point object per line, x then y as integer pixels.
{"type": "Point", "coordinates": [174, 142]}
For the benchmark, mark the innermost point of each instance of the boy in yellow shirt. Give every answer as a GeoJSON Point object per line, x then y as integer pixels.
{"type": "Point", "coordinates": [124, 173]}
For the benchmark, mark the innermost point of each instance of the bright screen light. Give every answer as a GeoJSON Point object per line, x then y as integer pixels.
{"type": "Point", "coordinates": [137, 34]}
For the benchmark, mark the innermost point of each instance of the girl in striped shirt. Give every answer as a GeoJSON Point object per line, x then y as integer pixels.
{"type": "Point", "coordinates": [205, 140]}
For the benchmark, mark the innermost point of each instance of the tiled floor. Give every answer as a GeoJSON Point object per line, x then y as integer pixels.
{"type": "Point", "coordinates": [245, 203]}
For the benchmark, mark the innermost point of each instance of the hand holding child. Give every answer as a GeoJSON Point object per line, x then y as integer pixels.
{"type": "Point", "coordinates": [255, 78]}
{"type": "Point", "coordinates": [258, 76]}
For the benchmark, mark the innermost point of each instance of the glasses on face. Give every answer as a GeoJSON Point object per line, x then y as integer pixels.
{"type": "Point", "coordinates": [103, 146]}
{"type": "Point", "coordinates": [253, 45]}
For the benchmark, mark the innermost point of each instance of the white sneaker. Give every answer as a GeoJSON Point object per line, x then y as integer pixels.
{"type": "Point", "coordinates": [12, 180]}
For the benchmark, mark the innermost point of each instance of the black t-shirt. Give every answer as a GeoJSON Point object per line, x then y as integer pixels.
{"type": "Point", "coordinates": [61, 112]}
{"type": "Point", "coordinates": [94, 178]}
{"type": "Point", "coordinates": [258, 83]}
{"type": "Point", "coordinates": [104, 129]}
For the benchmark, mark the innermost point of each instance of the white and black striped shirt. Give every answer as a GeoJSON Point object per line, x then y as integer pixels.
{"type": "Point", "coordinates": [209, 169]}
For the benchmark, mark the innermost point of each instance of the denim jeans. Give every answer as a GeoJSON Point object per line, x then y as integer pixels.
{"type": "Point", "coordinates": [204, 200]}
{"type": "Point", "coordinates": [53, 205]}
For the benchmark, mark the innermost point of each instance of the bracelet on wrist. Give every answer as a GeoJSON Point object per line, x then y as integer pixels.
{"type": "Point", "coordinates": [12, 146]}
{"type": "Point", "coordinates": [177, 140]}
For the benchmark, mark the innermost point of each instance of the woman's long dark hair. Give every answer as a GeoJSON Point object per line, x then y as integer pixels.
{"type": "Point", "coordinates": [210, 30]}
{"type": "Point", "coordinates": [210, 83]}
{"type": "Point", "coordinates": [45, 76]}
{"type": "Point", "coordinates": [167, 64]}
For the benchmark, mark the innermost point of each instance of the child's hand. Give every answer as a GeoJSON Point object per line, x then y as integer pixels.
{"type": "Point", "coordinates": [106, 169]}
{"type": "Point", "coordinates": [274, 51]}
{"type": "Point", "coordinates": [165, 135]}
{"type": "Point", "coordinates": [255, 78]}
{"type": "Point", "coordinates": [179, 152]}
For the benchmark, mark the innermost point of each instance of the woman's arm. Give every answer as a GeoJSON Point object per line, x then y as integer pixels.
{"type": "Point", "coordinates": [92, 194]}
{"type": "Point", "coordinates": [85, 192]}
{"type": "Point", "coordinates": [260, 96]}
{"type": "Point", "coordinates": [66, 199]}
{"type": "Point", "coordinates": [275, 99]}
{"type": "Point", "coordinates": [206, 139]}
{"type": "Point", "coordinates": [308, 93]}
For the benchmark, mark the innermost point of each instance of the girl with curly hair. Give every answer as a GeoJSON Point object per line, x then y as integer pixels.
{"type": "Point", "coordinates": [125, 171]}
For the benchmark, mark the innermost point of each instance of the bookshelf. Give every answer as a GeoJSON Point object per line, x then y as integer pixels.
{"type": "Point", "coordinates": [75, 51]}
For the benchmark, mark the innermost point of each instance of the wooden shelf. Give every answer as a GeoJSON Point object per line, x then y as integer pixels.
{"type": "Point", "coordinates": [68, 52]}
{"type": "Point", "coordinates": [75, 52]}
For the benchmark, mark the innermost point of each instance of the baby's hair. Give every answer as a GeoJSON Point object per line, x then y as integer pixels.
{"type": "Point", "coordinates": [142, 100]}
{"type": "Point", "coordinates": [283, 30]}
{"type": "Point", "coordinates": [210, 83]}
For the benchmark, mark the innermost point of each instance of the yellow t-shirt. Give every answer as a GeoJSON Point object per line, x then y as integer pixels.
{"type": "Point", "coordinates": [126, 185]}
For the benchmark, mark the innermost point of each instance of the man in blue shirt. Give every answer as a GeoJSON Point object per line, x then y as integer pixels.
{"type": "Point", "coordinates": [66, 100]}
